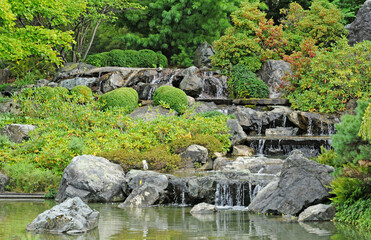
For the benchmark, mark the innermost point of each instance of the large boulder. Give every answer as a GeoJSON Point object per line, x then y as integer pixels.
{"type": "Point", "coordinates": [202, 55]}
{"type": "Point", "coordinates": [4, 180]}
{"type": "Point", "coordinates": [271, 73]}
{"type": "Point", "coordinates": [72, 216]}
{"type": "Point", "coordinates": [203, 208]}
{"type": "Point", "coordinates": [195, 154]}
{"type": "Point", "coordinates": [191, 83]}
{"type": "Point", "coordinates": [302, 183]}
{"type": "Point", "coordinates": [93, 179]}
{"type": "Point", "coordinates": [238, 136]}
{"type": "Point", "coordinates": [319, 212]}
{"type": "Point", "coordinates": [17, 132]}
{"type": "Point", "coordinates": [136, 178]}
{"type": "Point", "coordinates": [360, 28]}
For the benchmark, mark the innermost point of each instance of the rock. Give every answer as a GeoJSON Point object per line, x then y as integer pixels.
{"type": "Point", "coordinates": [202, 55]}
{"type": "Point", "coordinates": [72, 69]}
{"type": "Point", "coordinates": [149, 113]}
{"type": "Point", "coordinates": [319, 212]}
{"type": "Point", "coordinates": [360, 28]}
{"type": "Point", "coordinates": [281, 131]}
{"type": "Point", "coordinates": [191, 83]}
{"type": "Point", "coordinates": [9, 106]}
{"type": "Point", "coordinates": [238, 136]}
{"type": "Point", "coordinates": [271, 73]}
{"type": "Point", "coordinates": [195, 154]}
{"type": "Point", "coordinates": [251, 120]}
{"type": "Point", "coordinates": [290, 218]}
{"type": "Point", "coordinates": [112, 81]}
{"type": "Point", "coordinates": [42, 82]}
{"type": "Point", "coordinates": [242, 150]}
{"type": "Point", "coordinates": [136, 178]}
{"type": "Point", "coordinates": [314, 123]}
{"type": "Point", "coordinates": [302, 183]}
{"type": "Point", "coordinates": [191, 101]}
{"type": "Point", "coordinates": [93, 179]}
{"type": "Point", "coordinates": [220, 162]}
{"type": "Point", "coordinates": [144, 196]}
{"type": "Point", "coordinates": [203, 208]}
{"type": "Point", "coordinates": [70, 83]}
{"type": "Point", "coordinates": [72, 216]}
{"type": "Point", "coordinates": [4, 75]}
{"type": "Point", "coordinates": [4, 180]}
{"type": "Point", "coordinates": [17, 132]}
{"type": "Point", "coordinates": [253, 164]}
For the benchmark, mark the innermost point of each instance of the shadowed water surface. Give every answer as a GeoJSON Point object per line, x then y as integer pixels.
{"type": "Point", "coordinates": [171, 223]}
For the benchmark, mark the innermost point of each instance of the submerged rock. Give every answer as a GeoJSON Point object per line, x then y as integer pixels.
{"type": "Point", "coordinates": [93, 179]}
{"type": "Point", "coordinates": [17, 132]}
{"type": "Point", "coordinates": [302, 183]}
{"type": "Point", "coordinates": [203, 208]}
{"type": "Point", "coordinates": [319, 212]}
{"type": "Point", "coordinates": [72, 216]}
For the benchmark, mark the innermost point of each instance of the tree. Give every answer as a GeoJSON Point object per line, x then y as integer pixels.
{"type": "Point", "coordinates": [176, 27]}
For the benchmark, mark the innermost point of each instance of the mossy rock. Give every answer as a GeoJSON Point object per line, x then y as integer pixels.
{"type": "Point", "coordinates": [84, 93]}
{"type": "Point", "coordinates": [121, 97]}
{"type": "Point", "coordinates": [174, 97]}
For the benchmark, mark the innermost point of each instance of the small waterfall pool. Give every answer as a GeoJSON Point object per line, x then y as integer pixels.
{"type": "Point", "coordinates": [164, 222]}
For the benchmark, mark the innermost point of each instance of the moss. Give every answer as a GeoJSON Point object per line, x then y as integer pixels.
{"type": "Point", "coordinates": [121, 97]}
{"type": "Point", "coordinates": [174, 97]}
{"type": "Point", "coordinates": [84, 93]}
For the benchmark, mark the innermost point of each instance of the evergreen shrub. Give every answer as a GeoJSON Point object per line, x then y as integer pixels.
{"type": "Point", "coordinates": [175, 98]}
{"type": "Point", "coordinates": [84, 93]}
{"type": "Point", "coordinates": [121, 97]}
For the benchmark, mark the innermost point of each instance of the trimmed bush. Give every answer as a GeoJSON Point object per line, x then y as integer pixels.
{"type": "Point", "coordinates": [244, 83]}
{"type": "Point", "coordinates": [174, 97]}
{"type": "Point", "coordinates": [128, 58]}
{"type": "Point", "coordinates": [121, 97]}
{"type": "Point", "coordinates": [84, 93]}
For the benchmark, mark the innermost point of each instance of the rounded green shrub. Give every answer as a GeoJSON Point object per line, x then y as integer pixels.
{"type": "Point", "coordinates": [175, 98]}
{"type": "Point", "coordinates": [44, 93]}
{"type": "Point", "coordinates": [99, 60]}
{"type": "Point", "coordinates": [84, 93]}
{"type": "Point", "coordinates": [121, 97]}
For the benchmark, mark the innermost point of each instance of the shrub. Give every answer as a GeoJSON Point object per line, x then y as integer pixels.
{"type": "Point", "coordinates": [244, 83]}
{"type": "Point", "coordinates": [128, 58]}
{"type": "Point", "coordinates": [25, 177]}
{"type": "Point", "coordinates": [174, 97]}
{"type": "Point", "coordinates": [83, 93]}
{"type": "Point", "coordinates": [121, 97]}
{"type": "Point", "coordinates": [365, 130]}
{"type": "Point", "coordinates": [44, 93]}
{"type": "Point", "coordinates": [211, 114]}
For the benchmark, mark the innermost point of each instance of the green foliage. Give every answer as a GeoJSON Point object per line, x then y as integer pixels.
{"type": "Point", "coordinates": [25, 177]}
{"type": "Point", "coordinates": [349, 8]}
{"type": "Point", "coordinates": [347, 190]}
{"type": "Point", "coordinates": [327, 157]}
{"type": "Point", "coordinates": [332, 78]}
{"type": "Point", "coordinates": [349, 147]}
{"type": "Point", "coordinates": [175, 97]}
{"type": "Point", "coordinates": [84, 93]}
{"type": "Point", "coordinates": [176, 28]}
{"type": "Point", "coordinates": [365, 130]}
{"type": "Point", "coordinates": [4, 141]}
{"type": "Point", "coordinates": [128, 58]}
{"type": "Point", "coordinates": [211, 114]}
{"type": "Point", "coordinates": [244, 84]}
{"type": "Point", "coordinates": [122, 97]}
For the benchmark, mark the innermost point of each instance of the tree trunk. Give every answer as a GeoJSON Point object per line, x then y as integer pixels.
{"type": "Point", "coordinates": [92, 39]}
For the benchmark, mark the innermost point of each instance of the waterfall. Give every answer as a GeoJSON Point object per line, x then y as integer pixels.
{"type": "Point", "coordinates": [310, 127]}
{"type": "Point", "coordinates": [284, 119]}
{"type": "Point", "coordinates": [261, 147]}
{"type": "Point", "coordinates": [260, 126]}
{"type": "Point", "coordinates": [229, 194]}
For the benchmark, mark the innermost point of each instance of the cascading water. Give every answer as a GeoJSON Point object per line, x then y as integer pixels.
{"type": "Point", "coordinates": [230, 194]}
{"type": "Point", "coordinates": [310, 127]}
{"type": "Point", "coordinates": [261, 147]}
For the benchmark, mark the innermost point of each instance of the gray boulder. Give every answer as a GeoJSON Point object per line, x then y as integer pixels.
{"type": "Point", "coordinates": [271, 73]}
{"type": "Point", "coordinates": [17, 132]}
{"type": "Point", "coordinates": [72, 216]}
{"type": "Point", "coordinates": [238, 136]}
{"type": "Point", "coordinates": [253, 164]}
{"type": "Point", "coordinates": [4, 180]}
{"type": "Point", "coordinates": [191, 83]}
{"type": "Point", "coordinates": [195, 154]}
{"type": "Point", "coordinates": [136, 178]}
{"type": "Point", "coordinates": [143, 196]}
{"type": "Point", "coordinates": [9, 106]}
{"type": "Point", "coordinates": [302, 183]}
{"type": "Point", "coordinates": [73, 82]}
{"type": "Point", "coordinates": [93, 179]}
{"type": "Point", "coordinates": [242, 150]}
{"type": "Point", "coordinates": [149, 113]}
{"type": "Point", "coordinates": [202, 55]}
{"type": "Point", "coordinates": [360, 28]}
{"type": "Point", "coordinates": [72, 69]}
{"type": "Point", "coordinates": [319, 212]}
{"type": "Point", "coordinates": [203, 208]}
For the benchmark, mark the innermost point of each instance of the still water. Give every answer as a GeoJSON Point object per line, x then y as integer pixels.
{"type": "Point", "coordinates": [167, 222]}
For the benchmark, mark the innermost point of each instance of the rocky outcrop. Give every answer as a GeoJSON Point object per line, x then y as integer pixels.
{"type": "Point", "coordinates": [238, 136]}
{"type": "Point", "coordinates": [302, 183]}
{"type": "Point", "coordinates": [360, 28]}
{"type": "Point", "coordinates": [202, 55]}
{"type": "Point", "coordinates": [72, 216]}
{"type": "Point", "coordinates": [4, 180]}
{"type": "Point", "coordinates": [149, 113]}
{"type": "Point", "coordinates": [319, 212]}
{"type": "Point", "coordinates": [191, 83]}
{"type": "Point", "coordinates": [17, 132]}
{"type": "Point", "coordinates": [203, 208]}
{"type": "Point", "coordinates": [272, 73]}
{"type": "Point", "coordinates": [93, 179]}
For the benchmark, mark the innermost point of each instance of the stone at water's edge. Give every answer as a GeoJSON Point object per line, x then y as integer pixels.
{"type": "Point", "coordinates": [302, 183]}
{"type": "Point", "coordinates": [93, 179]}
{"type": "Point", "coordinates": [72, 216]}
{"type": "Point", "coordinates": [360, 28]}
{"type": "Point", "coordinates": [17, 132]}
{"type": "Point", "coordinates": [203, 208]}
{"type": "Point", "coordinates": [319, 212]}
{"type": "Point", "coordinates": [143, 196]}
{"type": "Point", "coordinates": [4, 180]}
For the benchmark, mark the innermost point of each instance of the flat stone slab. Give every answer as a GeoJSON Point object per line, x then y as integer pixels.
{"type": "Point", "coordinates": [262, 101]}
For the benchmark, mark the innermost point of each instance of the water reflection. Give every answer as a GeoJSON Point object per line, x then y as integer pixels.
{"type": "Point", "coordinates": [170, 223]}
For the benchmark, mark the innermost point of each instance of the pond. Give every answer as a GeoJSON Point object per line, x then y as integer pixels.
{"type": "Point", "coordinates": [171, 222]}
